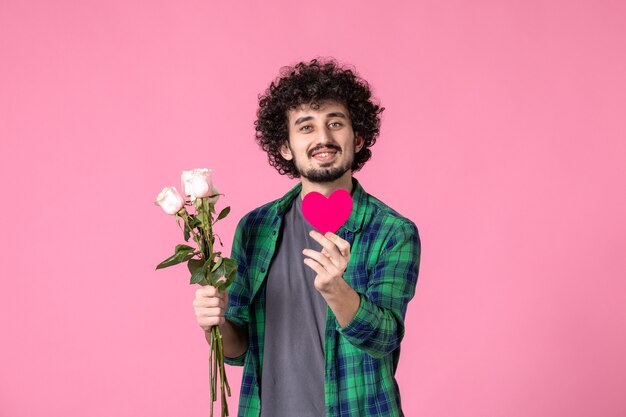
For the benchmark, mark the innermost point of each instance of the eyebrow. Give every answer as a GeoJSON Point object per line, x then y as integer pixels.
{"type": "Point", "coordinates": [329, 115]}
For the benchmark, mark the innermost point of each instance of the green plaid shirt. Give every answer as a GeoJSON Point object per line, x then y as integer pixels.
{"type": "Point", "coordinates": [361, 358]}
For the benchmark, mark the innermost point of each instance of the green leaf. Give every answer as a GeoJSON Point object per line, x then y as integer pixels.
{"type": "Point", "coordinates": [207, 264]}
{"type": "Point", "coordinates": [194, 264]}
{"type": "Point", "coordinates": [230, 266]}
{"type": "Point", "coordinates": [194, 222]}
{"type": "Point", "coordinates": [230, 272]}
{"type": "Point", "coordinates": [198, 269]}
{"type": "Point", "coordinates": [216, 274]}
{"type": "Point", "coordinates": [182, 253]}
{"type": "Point", "coordinates": [197, 276]}
{"type": "Point", "coordinates": [183, 249]}
{"type": "Point", "coordinates": [207, 275]}
{"type": "Point", "coordinates": [223, 213]}
{"type": "Point", "coordinates": [217, 264]}
{"type": "Point", "coordinates": [186, 233]}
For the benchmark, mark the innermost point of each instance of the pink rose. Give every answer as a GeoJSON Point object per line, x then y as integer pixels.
{"type": "Point", "coordinates": [170, 201]}
{"type": "Point", "coordinates": [198, 183]}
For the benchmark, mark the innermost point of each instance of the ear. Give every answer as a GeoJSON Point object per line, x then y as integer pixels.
{"type": "Point", "coordinates": [358, 143]}
{"type": "Point", "coordinates": [285, 151]}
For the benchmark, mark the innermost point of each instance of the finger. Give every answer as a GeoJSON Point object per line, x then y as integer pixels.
{"type": "Point", "coordinates": [210, 291]}
{"type": "Point", "coordinates": [342, 244]}
{"type": "Point", "coordinates": [207, 322]}
{"type": "Point", "coordinates": [323, 260]}
{"type": "Point", "coordinates": [315, 266]}
{"type": "Point", "coordinates": [209, 302]}
{"type": "Point", "coordinates": [330, 247]}
{"type": "Point", "coordinates": [207, 291]}
{"type": "Point", "coordinates": [210, 312]}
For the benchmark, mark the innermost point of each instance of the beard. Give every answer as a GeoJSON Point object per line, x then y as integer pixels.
{"type": "Point", "coordinates": [325, 174]}
{"type": "Point", "coordinates": [321, 175]}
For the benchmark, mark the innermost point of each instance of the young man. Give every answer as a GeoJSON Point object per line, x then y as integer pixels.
{"type": "Point", "coordinates": [317, 320]}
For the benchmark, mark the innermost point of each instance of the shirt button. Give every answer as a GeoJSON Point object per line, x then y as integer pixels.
{"type": "Point", "coordinates": [273, 232]}
{"type": "Point", "coordinates": [263, 270]}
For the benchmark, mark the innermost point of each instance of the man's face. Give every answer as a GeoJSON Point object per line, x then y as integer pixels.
{"type": "Point", "coordinates": [321, 143]}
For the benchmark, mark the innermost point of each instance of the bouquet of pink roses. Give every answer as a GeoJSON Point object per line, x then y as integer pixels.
{"type": "Point", "coordinates": [207, 267]}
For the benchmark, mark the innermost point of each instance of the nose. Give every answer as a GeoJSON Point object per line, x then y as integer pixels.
{"type": "Point", "coordinates": [324, 135]}
{"type": "Point", "coordinates": [324, 139]}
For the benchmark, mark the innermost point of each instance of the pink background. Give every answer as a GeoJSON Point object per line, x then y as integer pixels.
{"type": "Point", "coordinates": [504, 140]}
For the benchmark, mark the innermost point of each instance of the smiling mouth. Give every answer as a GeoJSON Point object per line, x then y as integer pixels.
{"type": "Point", "coordinates": [324, 153]}
{"type": "Point", "coordinates": [325, 156]}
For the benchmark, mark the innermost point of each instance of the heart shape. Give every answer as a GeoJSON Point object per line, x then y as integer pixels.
{"type": "Point", "coordinates": [327, 214]}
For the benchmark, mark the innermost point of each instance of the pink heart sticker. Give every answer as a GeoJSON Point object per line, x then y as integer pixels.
{"type": "Point", "coordinates": [327, 214]}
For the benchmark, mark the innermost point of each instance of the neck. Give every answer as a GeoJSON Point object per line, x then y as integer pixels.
{"type": "Point", "coordinates": [327, 188]}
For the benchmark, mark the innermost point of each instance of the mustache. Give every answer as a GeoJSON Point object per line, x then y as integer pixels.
{"type": "Point", "coordinates": [317, 148]}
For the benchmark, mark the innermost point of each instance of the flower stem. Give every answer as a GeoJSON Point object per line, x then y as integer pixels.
{"type": "Point", "coordinates": [212, 359]}
{"type": "Point", "coordinates": [208, 220]}
{"type": "Point", "coordinates": [196, 238]}
{"type": "Point", "coordinates": [216, 348]}
{"type": "Point", "coordinates": [214, 368]}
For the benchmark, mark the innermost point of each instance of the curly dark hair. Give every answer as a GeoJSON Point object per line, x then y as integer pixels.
{"type": "Point", "coordinates": [308, 83]}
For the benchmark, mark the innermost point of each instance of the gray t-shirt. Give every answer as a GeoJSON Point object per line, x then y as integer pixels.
{"type": "Point", "coordinates": [292, 381]}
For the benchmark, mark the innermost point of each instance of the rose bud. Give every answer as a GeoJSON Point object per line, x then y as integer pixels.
{"type": "Point", "coordinates": [170, 201]}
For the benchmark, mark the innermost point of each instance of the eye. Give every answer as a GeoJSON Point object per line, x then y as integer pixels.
{"type": "Point", "coordinates": [305, 128]}
{"type": "Point", "coordinates": [335, 124]}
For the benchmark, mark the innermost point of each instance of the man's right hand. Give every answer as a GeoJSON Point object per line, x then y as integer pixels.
{"type": "Point", "coordinates": [210, 306]}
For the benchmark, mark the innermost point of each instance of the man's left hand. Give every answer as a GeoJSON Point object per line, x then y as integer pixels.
{"type": "Point", "coordinates": [330, 263]}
